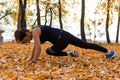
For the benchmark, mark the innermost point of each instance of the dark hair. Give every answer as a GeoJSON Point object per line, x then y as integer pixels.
{"type": "Point", "coordinates": [20, 34]}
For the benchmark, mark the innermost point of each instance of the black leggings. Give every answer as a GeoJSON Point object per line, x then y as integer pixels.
{"type": "Point", "coordinates": [66, 38]}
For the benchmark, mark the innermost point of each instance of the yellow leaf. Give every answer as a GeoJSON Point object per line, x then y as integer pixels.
{"type": "Point", "coordinates": [104, 5]}
{"type": "Point", "coordinates": [8, 79]}
{"type": "Point", "coordinates": [29, 78]}
{"type": "Point", "coordinates": [118, 1]}
{"type": "Point", "coordinates": [54, 68]}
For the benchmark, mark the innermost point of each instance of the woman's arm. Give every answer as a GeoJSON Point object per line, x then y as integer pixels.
{"type": "Point", "coordinates": [33, 50]}
{"type": "Point", "coordinates": [37, 44]}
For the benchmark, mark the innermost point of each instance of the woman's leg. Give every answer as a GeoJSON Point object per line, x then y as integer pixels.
{"type": "Point", "coordinates": [60, 44]}
{"type": "Point", "coordinates": [56, 51]}
{"type": "Point", "coordinates": [82, 44]}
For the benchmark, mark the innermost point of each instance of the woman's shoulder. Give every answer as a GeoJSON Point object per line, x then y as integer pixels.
{"type": "Point", "coordinates": [36, 30]}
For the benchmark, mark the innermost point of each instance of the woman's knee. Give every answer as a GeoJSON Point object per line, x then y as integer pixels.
{"type": "Point", "coordinates": [49, 51]}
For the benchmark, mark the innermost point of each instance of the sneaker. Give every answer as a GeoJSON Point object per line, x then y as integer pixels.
{"type": "Point", "coordinates": [73, 54]}
{"type": "Point", "coordinates": [110, 55]}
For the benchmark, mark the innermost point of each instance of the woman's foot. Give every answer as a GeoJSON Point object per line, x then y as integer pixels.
{"type": "Point", "coordinates": [73, 54]}
{"type": "Point", "coordinates": [110, 54]}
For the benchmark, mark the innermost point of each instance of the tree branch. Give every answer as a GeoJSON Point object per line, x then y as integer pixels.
{"type": "Point", "coordinates": [6, 14]}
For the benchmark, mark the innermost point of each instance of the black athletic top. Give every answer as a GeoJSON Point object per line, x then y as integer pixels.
{"type": "Point", "coordinates": [49, 34]}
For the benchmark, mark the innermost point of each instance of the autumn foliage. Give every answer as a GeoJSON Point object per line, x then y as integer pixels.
{"type": "Point", "coordinates": [90, 65]}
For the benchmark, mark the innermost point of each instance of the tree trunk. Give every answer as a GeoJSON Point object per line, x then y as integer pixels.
{"type": "Point", "coordinates": [18, 22]}
{"type": "Point", "coordinates": [107, 25]}
{"type": "Point", "coordinates": [46, 11]}
{"type": "Point", "coordinates": [82, 21]}
{"type": "Point", "coordinates": [51, 17]}
{"type": "Point", "coordinates": [38, 13]}
{"type": "Point", "coordinates": [118, 26]}
{"type": "Point", "coordinates": [60, 15]}
{"type": "Point", "coordinates": [21, 16]}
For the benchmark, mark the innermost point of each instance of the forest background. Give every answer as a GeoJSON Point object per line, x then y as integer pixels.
{"type": "Point", "coordinates": [93, 20]}
{"type": "Point", "coordinates": [89, 20]}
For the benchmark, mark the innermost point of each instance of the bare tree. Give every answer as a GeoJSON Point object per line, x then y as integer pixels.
{"type": "Point", "coordinates": [46, 12]}
{"type": "Point", "coordinates": [38, 13]}
{"type": "Point", "coordinates": [107, 25]}
{"type": "Point", "coordinates": [51, 16]}
{"type": "Point", "coordinates": [118, 26]}
{"type": "Point", "coordinates": [60, 14]}
{"type": "Point", "coordinates": [21, 16]}
{"type": "Point", "coordinates": [82, 21]}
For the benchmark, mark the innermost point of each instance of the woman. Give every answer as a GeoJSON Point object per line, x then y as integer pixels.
{"type": "Point", "coordinates": [60, 40]}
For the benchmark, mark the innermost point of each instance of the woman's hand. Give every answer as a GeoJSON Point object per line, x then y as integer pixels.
{"type": "Point", "coordinates": [30, 62]}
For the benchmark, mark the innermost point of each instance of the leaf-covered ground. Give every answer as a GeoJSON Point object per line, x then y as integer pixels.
{"type": "Point", "coordinates": [90, 65]}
